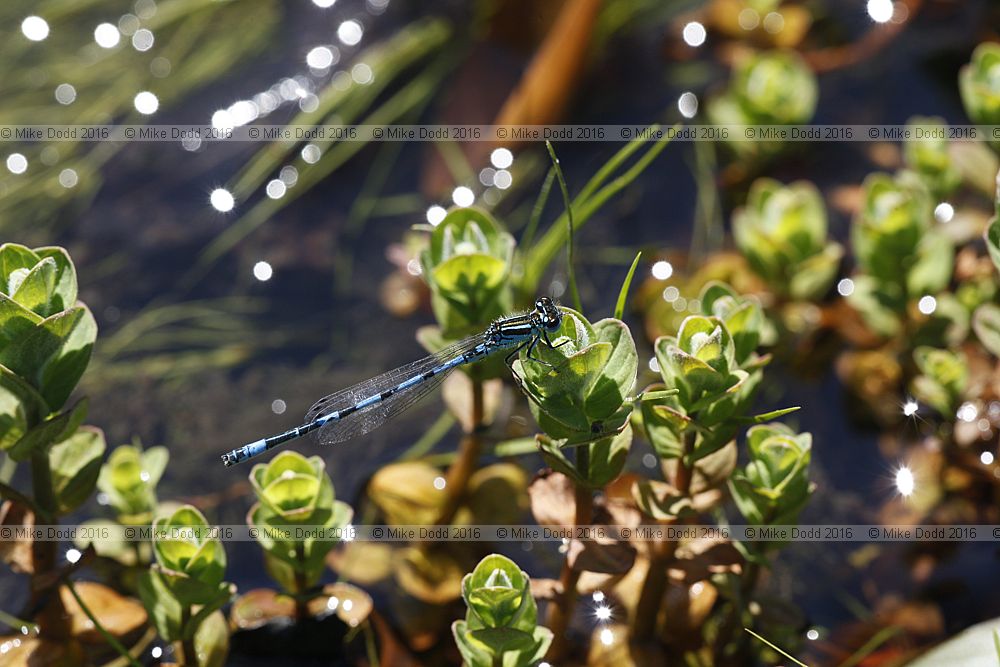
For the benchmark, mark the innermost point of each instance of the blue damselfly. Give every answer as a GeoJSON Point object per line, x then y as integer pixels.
{"type": "Point", "coordinates": [369, 404]}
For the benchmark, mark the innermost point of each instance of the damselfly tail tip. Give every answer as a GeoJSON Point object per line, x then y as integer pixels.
{"type": "Point", "coordinates": [230, 459]}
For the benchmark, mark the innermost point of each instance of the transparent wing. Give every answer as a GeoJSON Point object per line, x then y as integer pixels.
{"type": "Point", "coordinates": [371, 417]}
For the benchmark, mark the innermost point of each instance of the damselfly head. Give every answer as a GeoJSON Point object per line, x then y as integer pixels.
{"type": "Point", "coordinates": [548, 313]}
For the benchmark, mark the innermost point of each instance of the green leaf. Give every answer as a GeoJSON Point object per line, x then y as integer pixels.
{"type": "Point", "coordinates": [475, 653]}
{"type": "Point", "coordinates": [813, 277]}
{"type": "Point", "coordinates": [13, 258]}
{"type": "Point", "coordinates": [932, 267]}
{"type": "Point", "coordinates": [222, 596]}
{"type": "Point", "coordinates": [879, 305]}
{"type": "Point", "coordinates": [664, 424]}
{"type": "Point", "coordinates": [21, 407]}
{"type": "Point", "coordinates": [191, 564]}
{"type": "Point", "coordinates": [15, 320]}
{"type": "Point", "coordinates": [37, 286]}
{"type": "Point", "coordinates": [623, 293]}
{"type": "Point", "coordinates": [63, 294]}
{"type": "Point", "coordinates": [52, 430]}
{"type": "Point", "coordinates": [211, 641]}
{"type": "Point", "coordinates": [769, 416]}
{"type": "Point", "coordinates": [992, 236]}
{"type": "Point", "coordinates": [498, 595]}
{"type": "Point", "coordinates": [76, 463]}
{"type": "Point", "coordinates": [986, 324]}
{"type": "Point", "coordinates": [54, 353]}
{"type": "Point", "coordinates": [660, 501]}
{"type": "Point", "coordinates": [470, 275]}
{"type": "Point", "coordinates": [607, 458]}
{"type": "Point", "coordinates": [163, 608]}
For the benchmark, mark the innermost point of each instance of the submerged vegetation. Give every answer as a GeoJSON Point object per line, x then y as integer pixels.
{"type": "Point", "coordinates": [632, 465]}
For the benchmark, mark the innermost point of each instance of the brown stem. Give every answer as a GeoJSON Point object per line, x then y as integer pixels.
{"type": "Point", "coordinates": [457, 477]}
{"type": "Point", "coordinates": [655, 586]}
{"type": "Point", "coordinates": [561, 609]}
{"type": "Point", "coordinates": [52, 619]}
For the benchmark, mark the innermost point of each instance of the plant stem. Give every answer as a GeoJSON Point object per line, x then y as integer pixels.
{"type": "Point", "coordinates": [301, 585]}
{"type": "Point", "coordinates": [457, 477]}
{"type": "Point", "coordinates": [655, 586]}
{"type": "Point", "coordinates": [52, 619]}
{"type": "Point", "coordinates": [108, 637]}
{"type": "Point", "coordinates": [561, 610]}
{"type": "Point", "coordinates": [188, 653]}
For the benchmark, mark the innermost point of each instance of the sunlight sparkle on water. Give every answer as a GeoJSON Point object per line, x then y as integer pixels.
{"type": "Point", "coordinates": [927, 304]}
{"type": "Point", "coordinates": [503, 179]}
{"type": "Point", "coordinates": [262, 271]}
{"type": "Point", "coordinates": [324, 4]}
{"type": "Point", "coordinates": [986, 458]}
{"type": "Point", "coordinates": [602, 612]}
{"type": "Point", "coordinates": [222, 200]}
{"type": "Point", "coordinates": [276, 188]}
{"type": "Point", "coordinates": [311, 153]}
{"type": "Point", "coordinates": [143, 40]}
{"type": "Point", "coordinates": [435, 214]}
{"type": "Point", "coordinates": [967, 412]}
{"type": "Point", "coordinates": [223, 120]}
{"type": "Point", "coordinates": [68, 178]}
{"type": "Point", "coordinates": [463, 196]}
{"type": "Point", "coordinates": [145, 9]}
{"type": "Point", "coordinates": [17, 163]}
{"type": "Point", "coordinates": [845, 287]}
{"type": "Point", "coordinates": [598, 596]}
{"type": "Point", "coordinates": [880, 10]}
{"type": "Point", "coordinates": [662, 270]}
{"type": "Point", "coordinates": [73, 555]}
{"type": "Point", "coordinates": [687, 104]}
{"type": "Point", "coordinates": [944, 212]}
{"type": "Point", "coordinates": [321, 57]}
{"type": "Point", "coordinates": [289, 175]}
{"type": "Point", "coordinates": [243, 112]}
{"type": "Point", "coordinates": [35, 28]}
{"type": "Point", "coordinates": [156, 652]}
{"type": "Point", "coordinates": [278, 406]}
{"type": "Point", "coordinates": [107, 36]}
{"type": "Point", "coordinates": [812, 634]}
{"type": "Point", "coordinates": [607, 637]}
{"type": "Point", "coordinates": [362, 73]}
{"type": "Point", "coordinates": [694, 34]}
{"type": "Point", "coordinates": [749, 18]}
{"type": "Point", "coordinates": [440, 483]}
{"type": "Point", "coordinates": [501, 158]}
{"type": "Point", "coordinates": [146, 103]}
{"type": "Point", "coordinates": [905, 482]}
{"type": "Point", "coordinates": [65, 93]}
{"type": "Point", "coordinates": [774, 23]}
{"type": "Point", "coordinates": [349, 32]}
{"type": "Point", "coordinates": [910, 408]}
{"type": "Point", "coordinates": [128, 24]}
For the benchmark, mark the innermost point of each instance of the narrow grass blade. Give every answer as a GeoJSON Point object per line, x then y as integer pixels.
{"type": "Point", "coordinates": [790, 657]}
{"type": "Point", "coordinates": [570, 270]}
{"type": "Point", "coordinates": [623, 294]}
